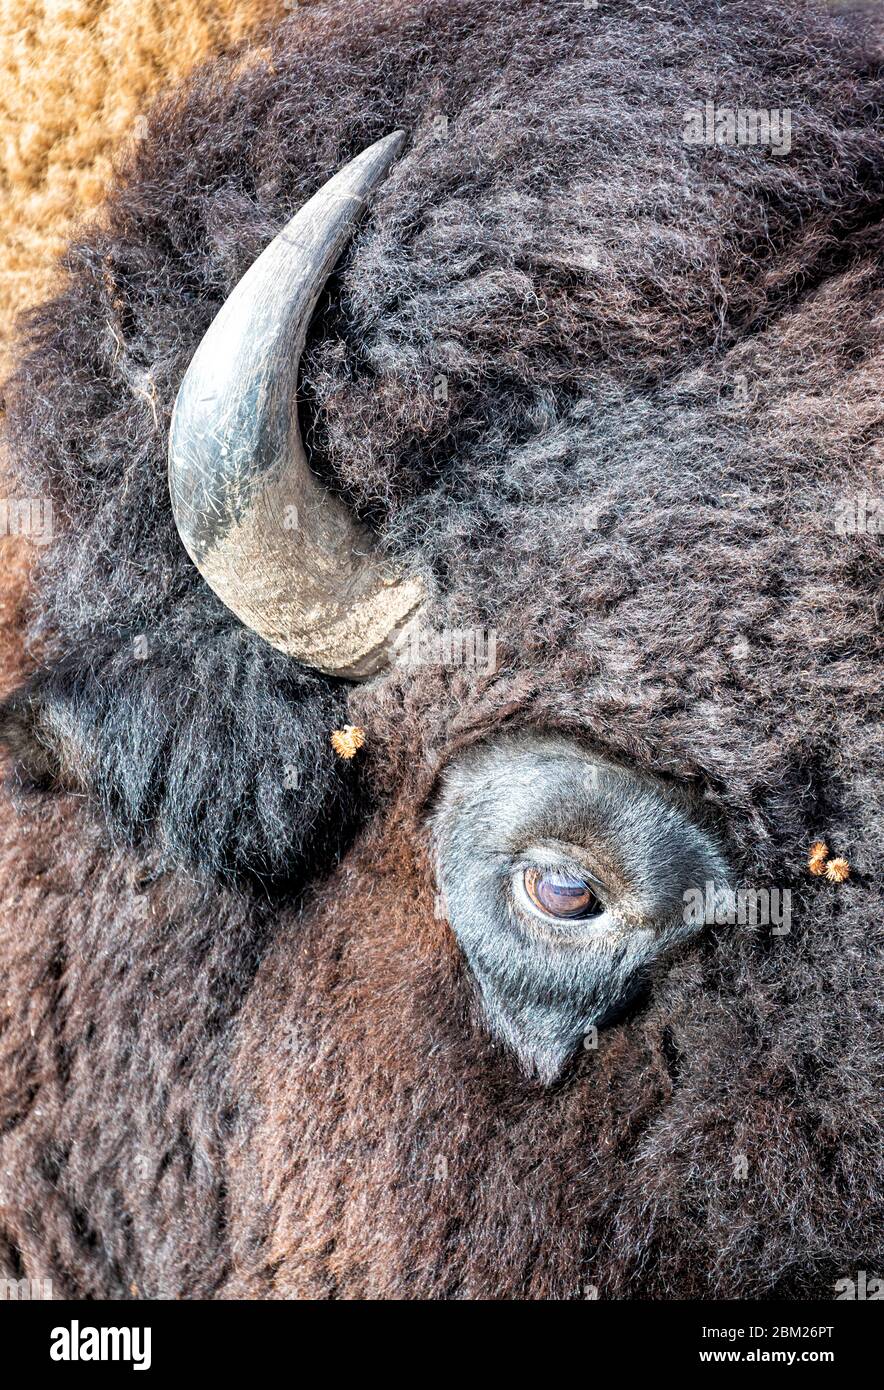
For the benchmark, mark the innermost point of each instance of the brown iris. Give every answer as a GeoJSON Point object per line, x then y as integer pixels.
{"type": "Point", "coordinates": [561, 894]}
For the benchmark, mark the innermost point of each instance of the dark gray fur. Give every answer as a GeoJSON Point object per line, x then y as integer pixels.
{"type": "Point", "coordinates": [663, 374]}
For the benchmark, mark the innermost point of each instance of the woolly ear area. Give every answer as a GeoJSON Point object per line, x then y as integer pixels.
{"type": "Point", "coordinates": [217, 751]}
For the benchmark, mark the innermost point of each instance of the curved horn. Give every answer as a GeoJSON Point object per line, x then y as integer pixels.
{"type": "Point", "coordinates": [277, 548]}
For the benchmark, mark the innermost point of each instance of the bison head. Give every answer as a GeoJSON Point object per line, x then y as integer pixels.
{"type": "Point", "coordinates": [523, 445]}
{"type": "Point", "coordinates": [565, 876]}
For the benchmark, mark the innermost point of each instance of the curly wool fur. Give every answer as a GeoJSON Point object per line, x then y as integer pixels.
{"type": "Point", "coordinates": [74, 79]}
{"type": "Point", "coordinates": [204, 740]}
{"type": "Point", "coordinates": [662, 373]}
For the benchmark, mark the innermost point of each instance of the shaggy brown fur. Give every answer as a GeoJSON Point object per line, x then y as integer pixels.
{"type": "Point", "coordinates": [74, 80]}
{"type": "Point", "coordinates": [212, 1085]}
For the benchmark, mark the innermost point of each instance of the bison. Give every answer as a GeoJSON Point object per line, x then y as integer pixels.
{"type": "Point", "coordinates": [441, 853]}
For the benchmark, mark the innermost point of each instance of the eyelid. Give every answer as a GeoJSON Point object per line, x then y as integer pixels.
{"type": "Point", "coordinates": [557, 857]}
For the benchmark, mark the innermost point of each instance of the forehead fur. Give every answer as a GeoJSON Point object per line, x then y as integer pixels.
{"type": "Point", "coordinates": [603, 388]}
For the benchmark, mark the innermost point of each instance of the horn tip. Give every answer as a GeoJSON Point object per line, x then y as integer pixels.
{"type": "Point", "coordinates": [392, 144]}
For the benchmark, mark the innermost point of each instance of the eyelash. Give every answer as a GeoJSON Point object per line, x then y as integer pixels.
{"type": "Point", "coordinates": [524, 898]}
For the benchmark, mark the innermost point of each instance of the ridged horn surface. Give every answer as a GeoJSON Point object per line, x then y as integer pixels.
{"type": "Point", "coordinates": [277, 548]}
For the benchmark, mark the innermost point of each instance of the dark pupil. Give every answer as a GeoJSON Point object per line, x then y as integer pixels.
{"type": "Point", "coordinates": [560, 894]}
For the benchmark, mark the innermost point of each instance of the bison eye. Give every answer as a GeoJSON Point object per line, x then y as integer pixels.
{"type": "Point", "coordinates": [560, 893]}
{"type": "Point", "coordinates": [564, 879]}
